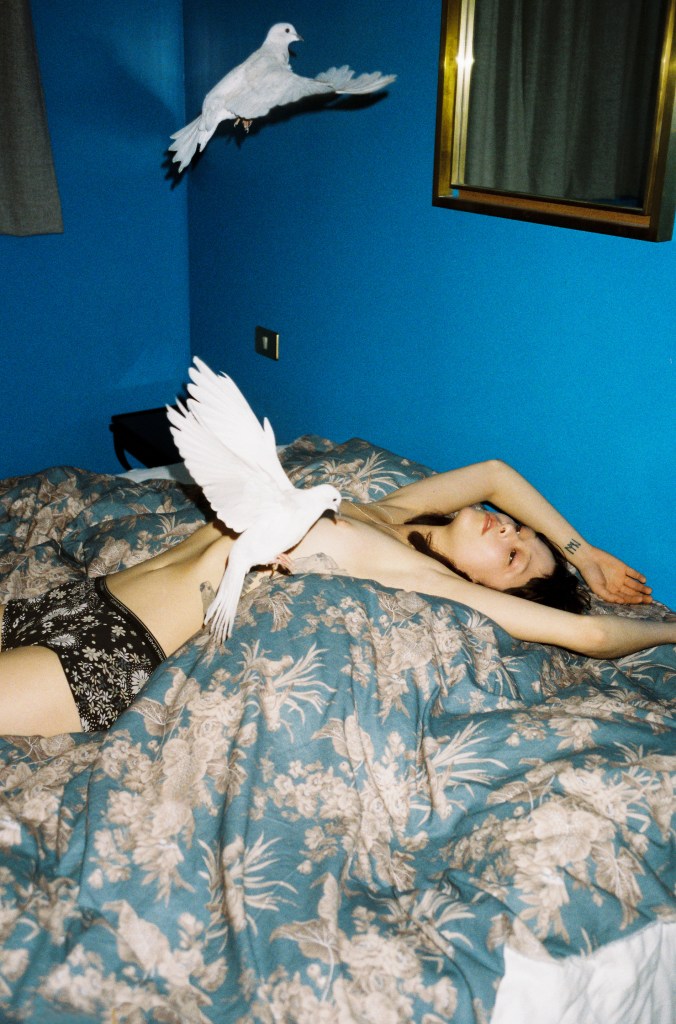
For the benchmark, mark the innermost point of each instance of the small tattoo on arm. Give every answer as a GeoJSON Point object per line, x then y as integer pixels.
{"type": "Point", "coordinates": [572, 546]}
{"type": "Point", "coordinates": [208, 594]}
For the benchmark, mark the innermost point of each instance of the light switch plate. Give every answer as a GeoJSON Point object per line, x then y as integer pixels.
{"type": "Point", "coordinates": [267, 343]}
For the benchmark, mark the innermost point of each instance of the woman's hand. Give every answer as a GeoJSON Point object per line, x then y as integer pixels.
{"type": "Point", "coordinates": [611, 579]}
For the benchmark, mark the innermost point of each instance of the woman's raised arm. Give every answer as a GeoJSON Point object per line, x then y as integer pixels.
{"type": "Point", "coordinates": [500, 485]}
{"type": "Point", "coordinates": [598, 636]}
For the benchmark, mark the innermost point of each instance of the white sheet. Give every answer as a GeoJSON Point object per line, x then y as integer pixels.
{"type": "Point", "coordinates": [176, 471]}
{"type": "Point", "coordinates": [632, 981]}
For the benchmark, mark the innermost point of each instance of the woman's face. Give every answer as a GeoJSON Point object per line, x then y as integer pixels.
{"type": "Point", "coordinates": [494, 550]}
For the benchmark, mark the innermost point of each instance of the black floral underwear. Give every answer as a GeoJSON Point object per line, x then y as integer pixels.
{"type": "Point", "coordinates": [106, 652]}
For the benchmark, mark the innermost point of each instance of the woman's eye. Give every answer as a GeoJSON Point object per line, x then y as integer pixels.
{"type": "Point", "coordinates": [517, 527]}
{"type": "Point", "coordinates": [512, 556]}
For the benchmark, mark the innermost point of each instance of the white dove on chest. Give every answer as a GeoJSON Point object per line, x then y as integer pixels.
{"type": "Point", "coordinates": [234, 460]}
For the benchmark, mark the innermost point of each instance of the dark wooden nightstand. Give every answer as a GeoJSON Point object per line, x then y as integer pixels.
{"type": "Point", "coordinates": [146, 436]}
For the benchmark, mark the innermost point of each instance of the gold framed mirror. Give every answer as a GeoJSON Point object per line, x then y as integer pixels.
{"type": "Point", "coordinates": [559, 112]}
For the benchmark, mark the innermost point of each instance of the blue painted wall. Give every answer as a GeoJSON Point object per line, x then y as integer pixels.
{"type": "Point", "coordinates": [449, 337]}
{"type": "Point", "coordinates": [96, 320]}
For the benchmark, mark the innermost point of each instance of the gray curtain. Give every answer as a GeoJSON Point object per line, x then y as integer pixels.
{"type": "Point", "coordinates": [29, 197]}
{"type": "Point", "coordinates": [561, 97]}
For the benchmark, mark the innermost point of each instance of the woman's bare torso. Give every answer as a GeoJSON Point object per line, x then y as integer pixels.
{"type": "Point", "coordinates": [365, 541]}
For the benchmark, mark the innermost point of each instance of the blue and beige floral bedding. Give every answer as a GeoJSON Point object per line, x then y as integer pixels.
{"type": "Point", "coordinates": [347, 814]}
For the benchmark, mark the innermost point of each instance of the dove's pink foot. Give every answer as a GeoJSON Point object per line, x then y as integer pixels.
{"type": "Point", "coordinates": [284, 562]}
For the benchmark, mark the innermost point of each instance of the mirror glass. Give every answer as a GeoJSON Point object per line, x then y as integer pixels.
{"type": "Point", "coordinates": [558, 111]}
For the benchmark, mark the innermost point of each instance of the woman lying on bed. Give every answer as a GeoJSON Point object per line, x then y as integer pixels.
{"type": "Point", "coordinates": [73, 659]}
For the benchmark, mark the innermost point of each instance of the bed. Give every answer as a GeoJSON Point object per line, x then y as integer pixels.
{"type": "Point", "coordinates": [370, 806]}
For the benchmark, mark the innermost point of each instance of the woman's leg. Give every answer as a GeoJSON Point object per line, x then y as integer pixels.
{"type": "Point", "coordinates": [35, 698]}
{"type": "Point", "coordinates": [165, 592]}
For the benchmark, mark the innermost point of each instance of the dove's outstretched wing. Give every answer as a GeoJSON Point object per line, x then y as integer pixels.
{"type": "Point", "coordinates": [281, 86]}
{"type": "Point", "coordinates": [276, 88]}
{"type": "Point", "coordinates": [226, 449]}
{"type": "Point", "coordinates": [341, 80]}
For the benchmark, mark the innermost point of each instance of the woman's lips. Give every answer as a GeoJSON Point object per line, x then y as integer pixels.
{"type": "Point", "coordinates": [488, 522]}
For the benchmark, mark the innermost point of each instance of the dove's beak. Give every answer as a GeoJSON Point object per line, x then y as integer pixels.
{"type": "Point", "coordinates": [299, 39]}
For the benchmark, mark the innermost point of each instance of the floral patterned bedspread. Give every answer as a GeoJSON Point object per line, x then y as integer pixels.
{"type": "Point", "coordinates": [342, 817]}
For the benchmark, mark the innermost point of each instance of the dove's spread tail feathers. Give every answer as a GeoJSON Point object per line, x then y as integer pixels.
{"type": "Point", "coordinates": [188, 139]}
{"type": "Point", "coordinates": [342, 80]}
{"type": "Point", "coordinates": [220, 615]}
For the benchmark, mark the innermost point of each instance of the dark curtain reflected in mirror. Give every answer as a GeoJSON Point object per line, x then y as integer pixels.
{"type": "Point", "coordinates": [561, 97]}
{"type": "Point", "coordinates": [559, 111]}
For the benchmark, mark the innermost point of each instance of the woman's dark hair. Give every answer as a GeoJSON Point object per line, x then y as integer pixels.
{"type": "Point", "coordinates": [561, 589]}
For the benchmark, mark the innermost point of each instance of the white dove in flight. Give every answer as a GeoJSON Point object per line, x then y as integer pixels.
{"type": "Point", "coordinates": [263, 81]}
{"type": "Point", "coordinates": [235, 462]}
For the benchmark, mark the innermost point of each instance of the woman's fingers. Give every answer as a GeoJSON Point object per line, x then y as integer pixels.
{"type": "Point", "coordinates": [629, 589]}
